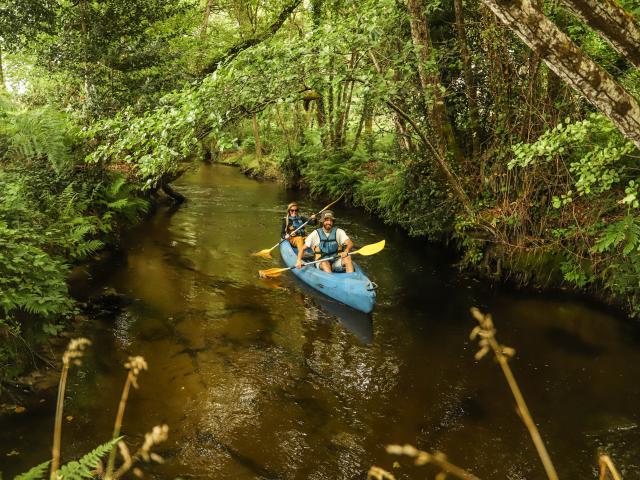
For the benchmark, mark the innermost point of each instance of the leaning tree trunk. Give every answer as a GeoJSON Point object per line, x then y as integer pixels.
{"type": "Point", "coordinates": [177, 197]}
{"type": "Point", "coordinates": [236, 49]}
{"type": "Point", "coordinates": [609, 19]}
{"type": "Point", "coordinates": [570, 63]}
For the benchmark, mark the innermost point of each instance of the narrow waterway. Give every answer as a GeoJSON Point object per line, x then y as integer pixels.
{"type": "Point", "coordinates": [265, 380]}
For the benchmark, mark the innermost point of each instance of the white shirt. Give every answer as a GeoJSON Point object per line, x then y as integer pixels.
{"type": "Point", "coordinates": [313, 239]}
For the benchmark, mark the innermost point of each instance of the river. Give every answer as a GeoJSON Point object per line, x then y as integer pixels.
{"type": "Point", "coordinates": [265, 380]}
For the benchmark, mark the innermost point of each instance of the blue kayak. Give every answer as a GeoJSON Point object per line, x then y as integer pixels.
{"type": "Point", "coordinates": [352, 289]}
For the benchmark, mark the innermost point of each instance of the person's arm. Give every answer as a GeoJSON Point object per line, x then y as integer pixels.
{"type": "Point", "coordinates": [348, 246]}
{"type": "Point", "coordinates": [346, 241]}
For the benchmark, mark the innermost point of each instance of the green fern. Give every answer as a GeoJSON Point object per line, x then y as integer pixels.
{"type": "Point", "coordinates": [625, 231]}
{"type": "Point", "coordinates": [120, 197]}
{"type": "Point", "coordinates": [114, 188]}
{"type": "Point", "coordinates": [77, 470]}
{"type": "Point", "coordinates": [84, 249]}
{"type": "Point", "coordinates": [36, 473]}
{"type": "Point", "coordinates": [39, 132]}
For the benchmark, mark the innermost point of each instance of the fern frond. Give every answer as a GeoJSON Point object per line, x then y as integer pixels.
{"type": "Point", "coordinates": [39, 132]}
{"type": "Point", "coordinates": [36, 473]}
{"type": "Point", "coordinates": [85, 249]}
{"type": "Point", "coordinates": [114, 188]}
{"type": "Point", "coordinates": [83, 468]}
{"type": "Point", "coordinates": [78, 233]}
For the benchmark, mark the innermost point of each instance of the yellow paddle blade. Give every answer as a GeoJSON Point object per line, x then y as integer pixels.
{"type": "Point", "coordinates": [371, 248]}
{"type": "Point", "coordinates": [266, 253]}
{"type": "Point", "coordinates": [271, 272]}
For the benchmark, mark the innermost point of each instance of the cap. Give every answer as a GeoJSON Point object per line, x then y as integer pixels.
{"type": "Point", "coordinates": [326, 214]}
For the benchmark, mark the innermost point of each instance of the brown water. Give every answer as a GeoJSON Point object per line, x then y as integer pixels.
{"type": "Point", "coordinates": [265, 380]}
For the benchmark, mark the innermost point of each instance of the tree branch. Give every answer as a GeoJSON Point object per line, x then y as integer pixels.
{"type": "Point", "coordinates": [234, 51]}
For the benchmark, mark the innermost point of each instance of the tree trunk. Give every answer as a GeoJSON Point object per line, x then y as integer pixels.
{"type": "Point", "coordinates": [404, 139]}
{"type": "Point", "coordinates": [430, 81]}
{"type": "Point", "coordinates": [288, 136]}
{"type": "Point", "coordinates": [205, 20]}
{"type": "Point", "coordinates": [169, 190]}
{"type": "Point", "coordinates": [439, 158]}
{"type": "Point", "coordinates": [330, 102]}
{"type": "Point", "coordinates": [570, 63]}
{"type": "Point", "coordinates": [609, 19]}
{"type": "Point", "coordinates": [347, 112]}
{"type": "Point", "coordinates": [469, 83]}
{"type": "Point", "coordinates": [366, 113]}
{"type": "Point", "coordinates": [256, 136]}
{"type": "Point", "coordinates": [85, 37]}
{"type": "Point", "coordinates": [2, 85]}
{"type": "Point", "coordinates": [344, 107]}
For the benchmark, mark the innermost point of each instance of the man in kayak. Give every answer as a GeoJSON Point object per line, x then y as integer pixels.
{"type": "Point", "coordinates": [329, 241]}
{"type": "Point", "coordinates": [291, 222]}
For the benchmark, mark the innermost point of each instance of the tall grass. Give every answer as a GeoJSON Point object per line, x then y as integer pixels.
{"type": "Point", "coordinates": [90, 465]}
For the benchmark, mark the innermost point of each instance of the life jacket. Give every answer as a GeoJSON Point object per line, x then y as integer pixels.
{"type": "Point", "coordinates": [328, 243]}
{"type": "Point", "coordinates": [293, 223]}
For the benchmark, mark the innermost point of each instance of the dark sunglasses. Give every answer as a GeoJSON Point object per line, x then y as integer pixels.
{"type": "Point", "coordinates": [293, 210]}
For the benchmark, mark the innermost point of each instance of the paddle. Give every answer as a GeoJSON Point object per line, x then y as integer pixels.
{"type": "Point", "coordinates": [367, 250]}
{"type": "Point", "coordinates": [266, 253]}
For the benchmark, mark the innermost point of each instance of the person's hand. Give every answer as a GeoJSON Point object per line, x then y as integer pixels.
{"type": "Point", "coordinates": [299, 264]}
{"type": "Point", "coordinates": [312, 217]}
{"type": "Point", "coordinates": [286, 237]}
{"type": "Point", "coordinates": [344, 254]}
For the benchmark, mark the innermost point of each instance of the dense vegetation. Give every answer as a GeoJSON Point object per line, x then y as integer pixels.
{"type": "Point", "coordinates": [431, 114]}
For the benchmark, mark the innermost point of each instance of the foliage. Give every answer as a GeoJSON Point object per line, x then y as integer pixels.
{"type": "Point", "coordinates": [36, 473]}
{"type": "Point", "coordinates": [32, 281]}
{"type": "Point", "coordinates": [52, 213]}
{"type": "Point", "coordinates": [83, 468]}
{"type": "Point", "coordinates": [33, 133]}
{"type": "Point", "coordinates": [596, 152]}
{"type": "Point", "coordinates": [74, 470]}
{"type": "Point", "coordinates": [601, 168]}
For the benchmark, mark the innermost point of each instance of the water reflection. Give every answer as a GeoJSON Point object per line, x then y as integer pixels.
{"type": "Point", "coordinates": [323, 309]}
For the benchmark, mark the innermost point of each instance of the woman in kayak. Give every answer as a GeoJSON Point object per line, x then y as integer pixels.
{"type": "Point", "coordinates": [329, 241]}
{"type": "Point", "coordinates": [291, 226]}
